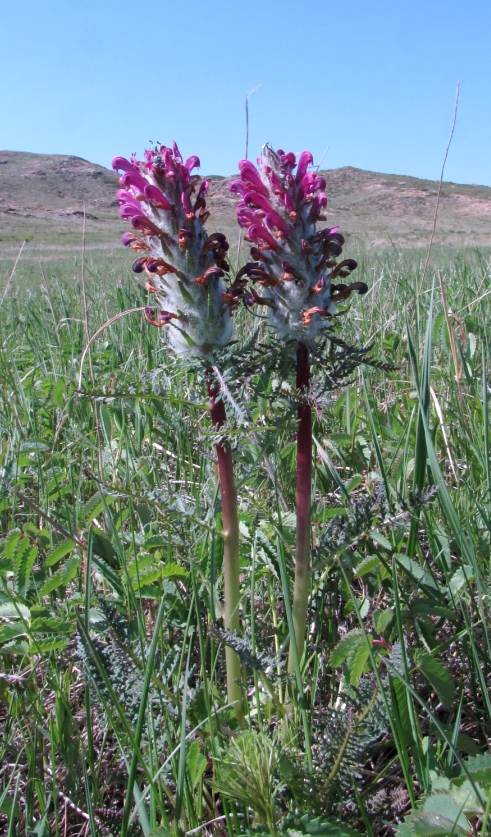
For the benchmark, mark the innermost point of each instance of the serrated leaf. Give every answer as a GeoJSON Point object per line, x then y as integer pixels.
{"type": "Point", "coordinates": [52, 624]}
{"type": "Point", "coordinates": [196, 763]}
{"type": "Point", "coordinates": [439, 677]}
{"type": "Point", "coordinates": [41, 645]}
{"type": "Point", "coordinates": [24, 559]}
{"type": "Point", "coordinates": [312, 825]}
{"type": "Point", "coordinates": [9, 632]}
{"type": "Point", "coordinates": [382, 619]}
{"type": "Point", "coordinates": [356, 662]}
{"type": "Point", "coordinates": [11, 544]}
{"type": "Point", "coordinates": [345, 647]}
{"type": "Point", "coordinates": [381, 540]}
{"type": "Point", "coordinates": [174, 571]}
{"type": "Point", "coordinates": [18, 611]}
{"type": "Point", "coordinates": [93, 508]}
{"type": "Point", "coordinates": [62, 577]}
{"type": "Point", "coordinates": [479, 768]}
{"type": "Point", "coordinates": [428, 824]}
{"type": "Point", "coordinates": [367, 565]}
{"type": "Point", "coordinates": [461, 578]}
{"type": "Point", "coordinates": [58, 552]}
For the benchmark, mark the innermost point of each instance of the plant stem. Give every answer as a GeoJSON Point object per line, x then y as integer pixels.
{"type": "Point", "coordinates": [230, 526]}
{"type": "Point", "coordinates": [304, 492]}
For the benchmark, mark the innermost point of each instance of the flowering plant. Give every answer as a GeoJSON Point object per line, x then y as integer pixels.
{"type": "Point", "coordinates": [295, 265]}
{"type": "Point", "coordinates": [185, 269]}
{"type": "Point", "coordinates": [184, 266]}
{"type": "Point", "coordinates": [293, 262]}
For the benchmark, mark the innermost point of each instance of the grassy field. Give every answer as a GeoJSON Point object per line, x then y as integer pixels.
{"type": "Point", "coordinates": [112, 675]}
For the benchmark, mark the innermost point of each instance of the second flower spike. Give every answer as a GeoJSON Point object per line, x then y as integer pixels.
{"type": "Point", "coordinates": [293, 271]}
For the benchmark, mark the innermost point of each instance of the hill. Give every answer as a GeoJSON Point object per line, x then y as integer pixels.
{"type": "Point", "coordinates": [42, 197]}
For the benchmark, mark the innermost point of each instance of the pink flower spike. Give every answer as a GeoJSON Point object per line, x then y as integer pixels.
{"type": "Point", "coordinates": [177, 153]}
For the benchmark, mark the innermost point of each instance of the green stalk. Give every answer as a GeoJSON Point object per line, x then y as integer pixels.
{"type": "Point", "coordinates": [230, 526]}
{"type": "Point", "coordinates": [304, 492]}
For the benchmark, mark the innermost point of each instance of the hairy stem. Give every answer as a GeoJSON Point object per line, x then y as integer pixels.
{"type": "Point", "coordinates": [230, 525]}
{"type": "Point", "coordinates": [304, 492]}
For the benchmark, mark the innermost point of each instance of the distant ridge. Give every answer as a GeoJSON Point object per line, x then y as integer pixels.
{"type": "Point", "coordinates": [42, 197]}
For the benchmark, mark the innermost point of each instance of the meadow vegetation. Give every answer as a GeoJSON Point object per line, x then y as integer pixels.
{"type": "Point", "coordinates": [113, 702]}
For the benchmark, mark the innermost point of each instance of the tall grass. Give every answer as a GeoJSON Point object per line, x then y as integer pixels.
{"type": "Point", "coordinates": [112, 686]}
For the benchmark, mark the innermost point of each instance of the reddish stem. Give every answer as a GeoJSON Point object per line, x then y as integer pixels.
{"type": "Point", "coordinates": [230, 525]}
{"type": "Point", "coordinates": [304, 495]}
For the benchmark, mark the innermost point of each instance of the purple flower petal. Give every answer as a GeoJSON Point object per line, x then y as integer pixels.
{"type": "Point", "coordinates": [121, 164]}
{"type": "Point", "coordinates": [129, 210]}
{"type": "Point", "coordinates": [192, 162]}
{"type": "Point", "coordinates": [145, 225]}
{"type": "Point", "coordinates": [250, 176]}
{"type": "Point", "coordinates": [304, 161]}
{"type": "Point", "coordinates": [157, 197]}
{"type": "Point", "coordinates": [133, 178]}
{"type": "Point", "coordinates": [257, 232]}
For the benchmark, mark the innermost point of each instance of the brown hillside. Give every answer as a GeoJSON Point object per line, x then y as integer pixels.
{"type": "Point", "coordinates": [42, 197]}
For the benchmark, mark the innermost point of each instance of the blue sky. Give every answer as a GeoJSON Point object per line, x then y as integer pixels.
{"type": "Point", "coordinates": [374, 81]}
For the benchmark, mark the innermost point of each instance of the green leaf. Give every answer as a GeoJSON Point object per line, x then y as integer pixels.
{"type": "Point", "coordinates": [428, 824]}
{"type": "Point", "coordinates": [346, 646]}
{"type": "Point", "coordinates": [10, 611]}
{"type": "Point", "coordinates": [24, 559]}
{"type": "Point", "coordinates": [357, 661]}
{"type": "Point", "coordinates": [11, 544]}
{"type": "Point", "coordinates": [59, 552]}
{"type": "Point", "coordinates": [367, 565]}
{"type": "Point", "coordinates": [381, 540]}
{"type": "Point", "coordinates": [382, 619]}
{"type": "Point", "coordinates": [439, 677]}
{"type": "Point", "coordinates": [8, 632]}
{"type": "Point", "coordinates": [174, 571]}
{"type": "Point", "coordinates": [479, 768]}
{"type": "Point", "coordinates": [62, 577]}
{"type": "Point", "coordinates": [462, 578]}
{"type": "Point", "coordinates": [196, 763]}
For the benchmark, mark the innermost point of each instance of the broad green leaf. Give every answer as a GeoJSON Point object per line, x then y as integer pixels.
{"type": "Point", "coordinates": [52, 624]}
{"type": "Point", "coordinates": [382, 619]}
{"type": "Point", "coordinates": [367, 565]}
{"type": "Point", "coordinates": [429, 824]}
{"type": "Point", "coordinates": [11, 544]}
{"type": "Point", "coordinates": [10, 611]}
{"type": "Point", "coordinates": [357, 660]}
{"type": "Point", "coordinates": [462, 578]}
{"type": "Point", "coordinates": [196, 763]}
{"type": "Point", "coordinates": [346, 646]}
{"type": "Point", "coordinates": [24, 559]}
{"type": "Point", "coordinates": [61, 577]}
{"type": "Point", "coordinates": [12, 631]}
{"type": "Point", "coordinates": [439, 677]}
{"type": "Point", "coordinates": [381, 540]}
{"type": "Point", "coordinates": [479, 768]}
{"type": "Point", "coordinates": [58, 552]}
{"type": "Point", "coordinates": [174, 571]}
